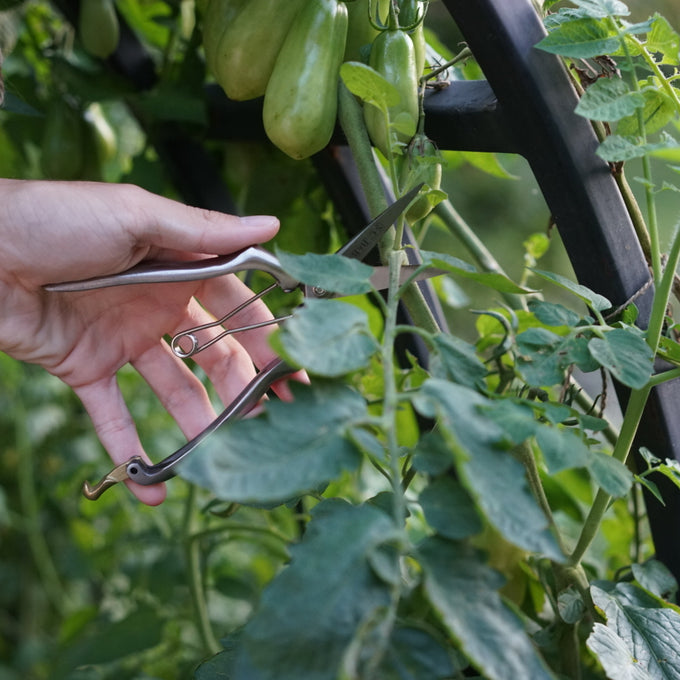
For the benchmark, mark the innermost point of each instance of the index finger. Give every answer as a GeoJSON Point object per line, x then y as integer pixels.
{"type": "Point", "coordinates": [164, 223]}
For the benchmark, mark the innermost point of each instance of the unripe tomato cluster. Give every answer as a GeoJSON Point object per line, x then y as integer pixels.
{"type": "Point", "coordinates": [291, 52]}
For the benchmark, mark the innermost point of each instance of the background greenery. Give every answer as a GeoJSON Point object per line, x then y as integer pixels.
{"type": "Point", "coordinates": [113, 589]}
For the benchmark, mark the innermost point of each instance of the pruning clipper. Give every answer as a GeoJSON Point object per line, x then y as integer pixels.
{"type": "Point", "coordinates": [186, 343]}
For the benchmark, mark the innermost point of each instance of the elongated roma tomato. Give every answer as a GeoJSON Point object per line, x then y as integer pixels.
{"type": "Point", "coordinates": [218, 16]}
{"type": "Point", "coordinates": [98, 27]}
{"type": "Point", "coordinates": [301, 100]}
{"type": "Point", "coordinates": [393, 57]}
{"type": "Point", "coordinates": [361, 32]}
{"type": "Point", "coordinates": [62, 154]}
{"type": "Point", "coordinates": [250, 44]}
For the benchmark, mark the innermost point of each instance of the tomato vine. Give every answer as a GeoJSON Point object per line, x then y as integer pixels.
{"type": "Point", "coordinates": [472, 515]}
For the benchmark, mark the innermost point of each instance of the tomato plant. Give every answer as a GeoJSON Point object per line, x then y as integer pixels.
{"type": "Point", "coordinates": [475, 514]}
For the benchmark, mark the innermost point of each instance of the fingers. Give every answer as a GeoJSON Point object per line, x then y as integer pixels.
{"type": "Point", "coordinates": [227, 364]}
{"type": "Point", "coordinates": [224, 294]}
{"type": "Point", "coordinates": [116, 431]}
{"type": "Point", "coordinates": [180, 392]}
{"type": "Point", "coordinates": [164, 223]}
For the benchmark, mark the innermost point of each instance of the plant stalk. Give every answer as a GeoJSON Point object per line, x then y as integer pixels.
{"type": "Point", "coordinates": [636, 403]}
{"type": "Point", "coordinates": [391, 397]}
{"type": "Point", "coordinates": [526, 457]}
{"type": "Point", "coordinates": [352, 122]}
{"type": "Point", "coordinates": [192, 542]}
{"type": "Point", "coordinates": [631, 420]}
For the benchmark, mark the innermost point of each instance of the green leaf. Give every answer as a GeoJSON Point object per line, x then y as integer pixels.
{"type": "Point", "coordinates": [289, 450]}
{"type": "Point", "coordinates": [516, 418]}
{"type": "Point", "coordinates": [600, 9]}
{"type": "Point", "coordinates": [562, 449]}
{"type": "Point", "coordinates": [658, 109]}
{"type": "Point", "coordinates": [667, 148]}
{"type": "Point", "coordinates": [449, 510]}
{"type": "Point", "coordinates": [484, 161]}
{"type": "Point", "coordinates": [611, 474]}
{"type": "Point", "coordinates": [554, 412]}
{"type": "Point", "coordinates": [663, 39]}
{"type": "Point", "coordinates": [656, 578]}
{"type": "Point", "coordinates": [593, 423]}
{"type": "Point", "coordinates": [327, 337]}
{"type": "Point", "coordinates": [107, 641]}
{"type": "Point", "coordinates": [669, 349]}
{"type": "Point", "coordinates": [616, 148]}
{"type": "Point", "coordinates": [570, 605]}
{"type": "Point", "coordinates": [636, 29]}
{"type": "Point", "coordinates": [625, 355]}
{"type": "Point", "coordinates": [641, 639]}
{"type": "Point", "coordinates": [456, 360]}
{"type": "Point", "coordinates": [432, 454]}
{"type": "Point", "coordinates": [609, 99]}
{"type": "Point", "coordinates": [413, 654]}
{"type": "Point", "coordinates": [651, 487]}
{"type": "Point", "coordinates": [597, 302]}
{"type": "Point", "coordinates": [493, 280]}
{"type": "Point", "coordinates": [615, 655]}
{"type": "Point", "coordinates": [322, 602]}
{"type": "Point", "coordinates": [333, 273]}
{"type": "Point", "coordinates": [14, 104]}
{"type": "Point", "coordinates": [536, 338]}
{"type": "Point", "coordinates": [546, 356]}
{"type": "Point", "coordinates": [215, 668]}
{"type": "Point", "coordinates": [553, 313]}
{"type": "Point", "coordinates": [490, 474]}
{"type": "Point", "coordinates": [581, 39]}
{"type": "Point", "coordinates": [463, 590]}
{"type": "Point", "coordinates": [404, 124]}
{"type": "Point", "coordinates": [670, 468]}
{"type": "Point", "coordinates": [539, 363]}
{"type": "Point", "coordinates": [367, 84]}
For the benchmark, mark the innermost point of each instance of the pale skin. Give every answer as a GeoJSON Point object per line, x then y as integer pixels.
{"type": "Point", "coordinates": [60, 231]}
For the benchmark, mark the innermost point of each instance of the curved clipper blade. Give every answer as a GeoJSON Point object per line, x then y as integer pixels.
{"type": "Point", "coordinates": [118, 474]}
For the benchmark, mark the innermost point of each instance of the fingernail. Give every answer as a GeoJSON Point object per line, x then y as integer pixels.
{"type": "Point", "coordinates": [260, 221]}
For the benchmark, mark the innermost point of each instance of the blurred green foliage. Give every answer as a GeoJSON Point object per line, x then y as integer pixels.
{"type": "Point", "coordinates": [117, 590]}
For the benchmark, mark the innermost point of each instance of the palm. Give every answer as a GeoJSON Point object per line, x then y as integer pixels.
{"type": "Point", "coordinates": [54, 232]}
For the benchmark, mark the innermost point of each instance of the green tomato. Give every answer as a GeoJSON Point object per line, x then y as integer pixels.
{"type": "Point", "coordinates": [249, 45]}
{"type": "Point", "coordinates": [301, 100]}
{"type": "Point", "coordinates": [393, 57]}
{"type": "Point", "coordinates": [103, 135]}
{"type": "Point", "coordinates": [218, 15]}
{"type": "Point", "coordinates": [63, 154]}
{"type": "Point", "coordinates": [411, 15]}
{"type": "Point", "coordinates": [361, 33]}
{"type": "Point", "coordinates": [98, 27]}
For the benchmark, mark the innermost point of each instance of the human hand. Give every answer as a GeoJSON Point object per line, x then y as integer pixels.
{"type": "Point", "coordinates": [58, 231]}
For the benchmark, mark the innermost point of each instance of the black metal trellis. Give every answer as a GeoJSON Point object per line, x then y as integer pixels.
{"type": "Point", "coordinates": [525, 106]}
{"type": "Point", "coordinates": [537, 100]}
